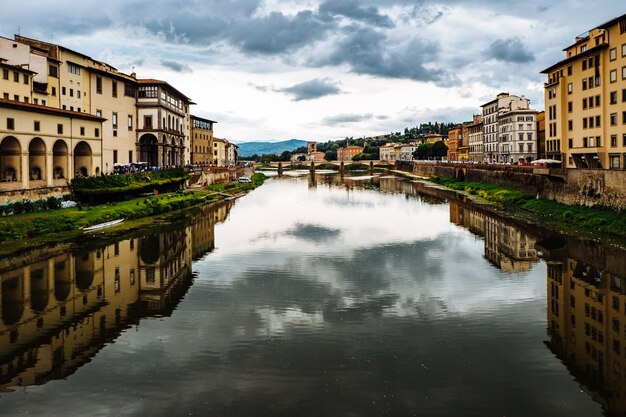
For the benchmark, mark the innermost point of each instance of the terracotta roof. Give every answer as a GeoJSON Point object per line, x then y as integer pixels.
{"type": "Point", "coordinates": [49, 110]}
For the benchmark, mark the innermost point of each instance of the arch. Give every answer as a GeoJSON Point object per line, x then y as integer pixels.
{"type": "Point", "coordinates": [62, 282]}
{"type": "Point", "coordinates": [10, 159]}
{"type": "Point", "coordinates": [149, 251]}
{"type": "Point", "coordinates": [83, 159]}
{"type": "Point", "coordinates": [12, 299]}
{"type": "Point", "coordinates": [84, 270]}
{"type": "Point", "coordinates": [59, 159]}
{"type": "Point", "coordinates": [38, 289]}
{"type": "Point", "coordinates": [460, 174]}
{"type": "Point", "coordinates": [148, 149]}
{"type": "Point", "coordinates": [36, 159]}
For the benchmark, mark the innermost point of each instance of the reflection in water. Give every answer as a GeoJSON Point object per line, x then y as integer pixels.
{"type": "Point", "coordinates": [59, 312]}
{"type": "Point", "coordinates": [321, 296]}
{"type": "Point", "coordinates": [587, 317]}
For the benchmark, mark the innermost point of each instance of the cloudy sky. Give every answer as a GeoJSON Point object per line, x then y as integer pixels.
{"type": "Point", "coordinates": [319, 70]}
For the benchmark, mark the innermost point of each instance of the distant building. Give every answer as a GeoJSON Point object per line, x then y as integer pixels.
{"type": "Point", "coordinates": [475, 135]}
{"type": "Point", "coordinates": [201, 141]}
{"type": "Point", "coordinates": [349, 152]}
{"type": "Point", "coordinates": [316, 156]}
{"type": "Point", "coordinates": [435, 138]}
{"type": "Point", "coordinates": [407, 150]}
{"type": "Point", "coordinates": [541, 136]}
{"type": "Point", "coordinates": [455, 136]}
{"type": "Point", "coordinates": [387, 152]}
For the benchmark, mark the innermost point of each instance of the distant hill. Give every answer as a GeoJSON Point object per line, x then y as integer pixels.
{"type": "Point", "coordinates": [265, 148]}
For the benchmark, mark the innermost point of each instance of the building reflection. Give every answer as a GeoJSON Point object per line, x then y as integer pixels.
{"type": "Point", "coordinates": [59, 312]}
{"type": "Point", "coordinates": [586, 286]}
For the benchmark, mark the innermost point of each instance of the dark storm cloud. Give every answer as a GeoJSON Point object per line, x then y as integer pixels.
{"type": "Point", "coordinates": [176, 66]}
{"type": "Point", "coordinates": [369, 51]}
{"type": "Point", "coordinates": [311, 90]}
{"type": "Point", "coordinates": [510, 50]}
{"type": "Point", "coordinates": [354, 10]}
{"type": "Point", "coordinates": [278, 33]}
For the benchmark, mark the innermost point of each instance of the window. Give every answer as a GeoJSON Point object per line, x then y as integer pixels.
{"type": "Point", "coordinates": [63, 91]}
{"type": "Point", "coordinates": [623, 50]}
{"type": "Point", "coordinates": [613, 141]}
{"type": "Point", "coordinates": [623, 73]}
{"type": "Point", "coordinates": [570, 106]}
{"type": "Point", "coordinates": [613, 76]}
{"type": "Point", "coordinates": [114, 88]}
{"type": "Point", "coordinates": [54, 91]}
{"type": "Point", "coordinates": [10, 123]}
{"type": "Point", "coordinates": [570, 125]}
{"type": "Point", "coordinates": [25, 99]}
{"type": "Point", "coordinates": [60, 129]}
{"type": "Point", "coordinates": [584, 83]}
{"type": "Point", "coordinates": [569, 70]}
{"type": "Point", "coordinates": [585, 103]}
{"type": "Point", "coordinates": [597, 101]}
{"type": "Point", "coordinates": [5, 96]}
{"type": "Point", "coordinates": [53, 71]}
{"type": "Point", "coordinates": [71, 92]}
{"type": "Point", "coordinates": [529, 136]}
{"type": "Point", "coordinates": [584, 123]}
{"type": "Point", "coordinates": [613, 119]}
{"type": "Point", "coordinates": [584, 64]}
{"type": "Point", "coordinates": [98, 113]}
{"type": "Point", "coordinates": [130, 122]}
{"type": "Point", "coordinates": [5, 73]}
{"type": "Point", "coordinates": [129, 90]}
{"type": "Point", "coordinates": [613, 97]}
{"type": "Point", "coordinates": [115, 156]}
{"type": "Point", "coordinates": [624, 117]}
{"type": "Point", "coordinates": [598, 123]}
{"type": "Point", "coordinates": [99, 85]}
{"type": "Point", "coordinates": [114, 119]}
{"type": "Point", "coordinates": [82, 131]}
{"type": "Point", "coordinates": [614, 161]}
{"type": "Point", "coordinates": [613, 54]}
{"type": "Point", "coordinates": [73, 68]}
{"type": "Point", "coordinates": [570, 143]}
{"type": "Point", "coordinates": [16, 76]}
{"type": "Point", "coordinates": [96, 132]}
{"type": "Point", "coordinates": [78, 93]}
{"type": "Point", "coordinates": [25, 79]}
{"type": "Point", "coordinates": [583, 49]}
{"type": "Point", "coordinates": [37, 126]}
{"type": "Point", "coordinates": [130, 160]}
{"type": "Point", "coordinates": [147, 122]}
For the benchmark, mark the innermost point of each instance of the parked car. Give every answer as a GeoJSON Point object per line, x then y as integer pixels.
{"type": "Point", "coordinates": [244, 179]}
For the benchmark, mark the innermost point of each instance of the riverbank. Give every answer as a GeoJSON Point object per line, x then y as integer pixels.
{"type": "Point", "coordinates": [596, 222]}
{"type": "Point", "coordinates": [31, 230]}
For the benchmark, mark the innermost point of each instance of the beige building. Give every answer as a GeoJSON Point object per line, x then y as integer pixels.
{"type": "Point", "coordinates": [164, 124]}
{"type": "Point", "coordinates": [388, 152]}
{"type": "Point", "coordinates": [476, 136]}
{"type": "Point", "coordinates": [43, 147]}
{"type": "Point", "coordinates": [585, 98]}
{"type": "Point", "coordinates": [77, 82]}
{"type": "Point", "coordinates": [201, 141]}
{"type": "Point", "coordinates": [220, 152]}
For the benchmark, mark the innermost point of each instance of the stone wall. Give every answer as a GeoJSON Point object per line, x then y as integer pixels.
{"type": "Point", "coordinates": [569, 186]}
{"type": "Point", "coordinates": [34, 194]}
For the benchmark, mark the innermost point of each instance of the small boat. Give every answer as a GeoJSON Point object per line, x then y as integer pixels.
{"type": "Point", "coordinates": [102, 225]}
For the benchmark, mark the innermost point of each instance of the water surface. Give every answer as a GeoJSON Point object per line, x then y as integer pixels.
{"type": "Point", "coordinates": [319, 296]}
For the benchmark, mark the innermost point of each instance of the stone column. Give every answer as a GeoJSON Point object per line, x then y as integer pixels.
{"type": "Point", "coordinates": [280, 169]}
{"type": "Point", "coordinates": [341, 168]}
{"type": "Point", "coordinates": [49, 169]}
{"type": "Point", "coordinates": [24, 171]}
{"type": "Point", "coordinates": [371, 167]}
{"type": "Point", "coordinates": [313, 167]}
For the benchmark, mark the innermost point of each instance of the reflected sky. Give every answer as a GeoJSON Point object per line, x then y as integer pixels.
{"type": "Point", "coordinates": [338, 301]}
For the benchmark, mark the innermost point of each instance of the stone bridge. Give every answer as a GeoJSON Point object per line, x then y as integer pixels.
{"type": "Point", "coordinates": [312, 165]}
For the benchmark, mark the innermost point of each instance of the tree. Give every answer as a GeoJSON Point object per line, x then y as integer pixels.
{"type": "Point", "coordinates": [330, 155]}
{"type": "Point", "coordinates": [285, 156]}
{"type": "Point", "coordinates": [440, 149]}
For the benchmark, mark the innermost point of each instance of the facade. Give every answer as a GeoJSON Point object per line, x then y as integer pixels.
{"type": "Point", "coordinates": [163, 124]}
{"type": "Point", "coordinates": [541, 136]}
{"type": "Point", "coordinates": [387, 152]}
{"type": "Point", "coordinates": [316, 156]}
{"type": "Point", "coordinates": [232, 151]}
{"type": "Point", "coordinates": [220, 152]}
{"type": "Point", "coordinates": [435, 138]}
{"type": "Point", "coordinates": [585, 97]}
{"type": "Point", "coordinates": [455, 135]}
{"type": "Point", "coordinates": [517, 141]}
{"type": "Point", "coordinates": [349, 152]}
{"type": "Point", "coordinates": [463, 144]}
{"type": "Point", "coordinates": [201, 141]}
{"type": "Point", "coordinates": [42, 147]}
{"type": "Point", "coordinates": [475, 135]}
{"type": "Point", "coordinates": [407, 151]}
{"type": "Point", "coordinates": [501, 130]}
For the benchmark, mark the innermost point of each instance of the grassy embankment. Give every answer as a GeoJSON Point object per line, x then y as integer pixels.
{"type": "Point", "coordinates": [47, 226]}
{"type": "Point", "coordinates": [595, 220]}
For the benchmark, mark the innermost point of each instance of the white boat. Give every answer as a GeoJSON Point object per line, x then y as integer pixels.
{"type": "Point", "coordinates": [102, 225]}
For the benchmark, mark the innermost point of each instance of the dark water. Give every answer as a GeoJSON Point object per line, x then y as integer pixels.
{"type": "Point", "coordinates": [319, 298]}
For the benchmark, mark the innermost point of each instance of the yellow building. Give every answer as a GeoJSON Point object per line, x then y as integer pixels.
{"type": "Point", "coordinates": [220, 152]}
{"type": "Point", "coordinates": [42, 147]}
{"type": "Point", "coordinates": [201, 141]}
{"type": "Point", "coordinates": [585, 98]}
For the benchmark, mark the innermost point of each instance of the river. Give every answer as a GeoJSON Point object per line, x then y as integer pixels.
{"type": "Point", "coordinates": [319, 296]}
